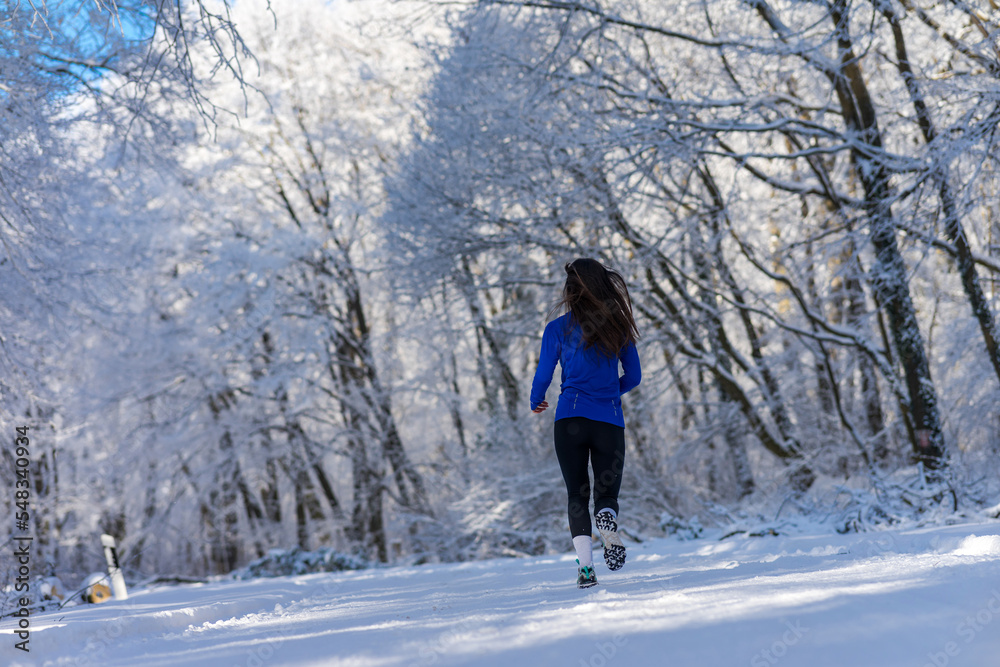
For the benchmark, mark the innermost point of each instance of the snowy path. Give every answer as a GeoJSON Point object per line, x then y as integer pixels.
{"type": "Point", "coordinates": [912, 598]}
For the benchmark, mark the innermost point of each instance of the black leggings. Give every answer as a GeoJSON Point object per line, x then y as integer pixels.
{"type": "Point", "coordinates": [577, 440]}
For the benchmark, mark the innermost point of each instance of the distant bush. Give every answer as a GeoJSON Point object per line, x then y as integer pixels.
{"type": "Point", "coordinates": [685, 529]}
{"type": "Point", "coordinates": [283, 562]}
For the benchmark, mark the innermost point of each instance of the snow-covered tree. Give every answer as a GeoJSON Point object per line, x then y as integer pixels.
{"type": "Point", "coordinates": [769, 177]}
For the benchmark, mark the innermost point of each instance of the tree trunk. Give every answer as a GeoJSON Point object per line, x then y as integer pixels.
{"type": "Point", "coordinates": [767, 382]}
{"type": "Point", "coordinates": [307, 507]}
{"type": "Point", "coordinates": [889, 273]}
{"type": "Point", "coordinates": [952, 224]}
{"type": "Point", "coordinates": [367, 528]}
{"type": "Point", "coordinates": [874, 419]}
{"type": "Point", "coordinates": [408, 479]}
{"type": "Point", "coordinates": [735, 444]}
{"type": "Point", "coordinates": [454, 405]}
{"type": "Point", "coordinates": [505, 381]}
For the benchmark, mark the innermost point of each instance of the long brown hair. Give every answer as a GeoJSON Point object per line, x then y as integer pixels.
{"type": "Point", "coordinates": [598, 299]}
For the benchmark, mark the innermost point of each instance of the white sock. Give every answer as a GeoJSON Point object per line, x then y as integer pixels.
{"type": "Point", "coordinates": [614, 514]}
{"type": "Point", "coordinates": [582, 543]}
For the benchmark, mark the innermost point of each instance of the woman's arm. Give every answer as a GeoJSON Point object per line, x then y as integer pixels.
{"type": "Point", "coordinates": [630, 364]}
{"type": "Point", "coordinates": [546, 365]}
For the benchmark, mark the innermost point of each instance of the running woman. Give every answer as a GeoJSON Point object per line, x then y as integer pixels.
{"type": "Point", "coordinates": [588, 341]}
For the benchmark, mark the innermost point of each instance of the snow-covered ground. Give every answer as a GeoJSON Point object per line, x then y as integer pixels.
{"type": "Point", "coordinates": [916, 598]}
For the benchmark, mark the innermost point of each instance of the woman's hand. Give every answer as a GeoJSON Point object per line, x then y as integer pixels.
{"type": "Point", "coordinates": [541, 406]}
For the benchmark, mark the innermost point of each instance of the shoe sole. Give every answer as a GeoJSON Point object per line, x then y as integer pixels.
{"type": "Point", "coordinates": [614, 550]}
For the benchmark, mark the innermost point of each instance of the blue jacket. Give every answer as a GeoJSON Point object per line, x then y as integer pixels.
{"type": "Point", "coordinates": [590, 384]}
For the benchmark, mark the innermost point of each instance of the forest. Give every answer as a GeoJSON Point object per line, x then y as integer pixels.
{"type": "Point", "coordinates": [275, 274]}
